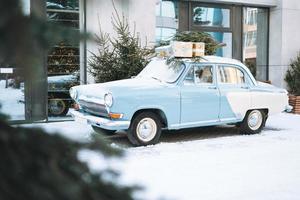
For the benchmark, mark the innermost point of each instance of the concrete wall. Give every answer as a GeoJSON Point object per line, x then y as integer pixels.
{"type": "Point", "coordinates": [140, 15]}
{"type": "Point", "coordinates": [284, 38]}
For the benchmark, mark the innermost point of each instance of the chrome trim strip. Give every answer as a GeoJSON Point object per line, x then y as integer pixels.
{"type": "Point", "coordinates": [194, 123]}
{"type": "Point", "coordinates": [101, 122]}
{"type": "Point", "coordinates": [91, 100]}
{"type": "Point", "coordinates": [206, 122]}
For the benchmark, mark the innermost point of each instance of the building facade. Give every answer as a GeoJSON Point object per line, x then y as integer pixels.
{"type": "Point", "coordinates": [261, 33]}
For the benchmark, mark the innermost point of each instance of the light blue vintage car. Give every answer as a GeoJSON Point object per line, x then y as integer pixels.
{"type": "Point", "coordinates": [176, 94]}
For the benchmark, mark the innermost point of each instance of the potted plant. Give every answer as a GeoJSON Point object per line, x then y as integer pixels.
{"type": "Point", "coordinates": [292, 79]}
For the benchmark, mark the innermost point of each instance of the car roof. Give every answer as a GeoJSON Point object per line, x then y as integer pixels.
{"type": "Point", "coordinates": [215, 59]}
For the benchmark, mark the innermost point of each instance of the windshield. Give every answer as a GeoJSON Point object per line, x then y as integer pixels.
{"type": "Point", "coordinates": [161, 70]}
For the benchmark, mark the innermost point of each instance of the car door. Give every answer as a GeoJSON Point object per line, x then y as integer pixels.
{"type": "Point", "coordinates": [199, 96]}
{"type": "Point", "coordinates": [235, 97]}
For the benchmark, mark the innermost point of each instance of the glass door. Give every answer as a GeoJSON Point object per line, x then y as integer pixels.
{"type": "Point", "coordinates": [215, 20]}
{"type": "Point", "coordinates": [63, 59]}
{"type": "Point", "coordinates": [255, 41]}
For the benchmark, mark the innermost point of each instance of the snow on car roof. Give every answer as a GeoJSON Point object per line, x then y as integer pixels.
{"type": "Point", "coordinates": [216, 59]}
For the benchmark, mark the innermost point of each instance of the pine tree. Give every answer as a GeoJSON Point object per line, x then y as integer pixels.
{"type": "Point", "coordinates": [121, 57]}
{"type": "Point", "coordinates": [293, 76]}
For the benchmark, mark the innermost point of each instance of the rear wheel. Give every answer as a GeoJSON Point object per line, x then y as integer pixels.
{"type": "Point", "coordinates": [57, 107]}
{"type": "Point", "coordinates": [253, 122]}
{"type": "Point", "coordinates": [145, 129]}
{"type": "Point", "coordinates": [103, 131]}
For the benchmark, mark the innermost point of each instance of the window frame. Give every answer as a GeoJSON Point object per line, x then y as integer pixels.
{"type": "Point", "coordinates": [247, 79]}
{"type": "Point", "coordinates": [210, 28]}
{"type": "Point", "coordinates": [192, 66]}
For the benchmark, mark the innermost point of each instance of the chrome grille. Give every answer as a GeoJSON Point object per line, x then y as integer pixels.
{"type": "Point", "coordinates": [93, 108]}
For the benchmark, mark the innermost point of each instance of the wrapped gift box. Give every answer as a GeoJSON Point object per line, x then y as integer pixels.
{"type": "Point", "coordinates": [198, 49]}
{"type": "Point", "coordinates": [182, 49]}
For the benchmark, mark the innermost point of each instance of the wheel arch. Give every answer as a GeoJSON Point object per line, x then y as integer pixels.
{"type": "Point", "coordinates": [265, 110]}
{"type": "Point", "coordinates": [159, 112]}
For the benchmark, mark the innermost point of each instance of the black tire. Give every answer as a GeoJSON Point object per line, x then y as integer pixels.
{"type": "Point", "coordinates": [144, 119]}
{"type": "Point", "coordinates": [58, 107]}
{"type": "Point", "coordinates": [103, 131]}
{"type": "Point", "coordinates": [249, 128]}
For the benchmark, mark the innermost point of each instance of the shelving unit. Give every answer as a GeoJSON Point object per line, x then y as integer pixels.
{"type": "Point", "coordinates": [63, 59]}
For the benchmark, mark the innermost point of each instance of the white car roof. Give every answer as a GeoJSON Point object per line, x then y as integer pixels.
{"type": "Point", "coordinates": [217, 59]}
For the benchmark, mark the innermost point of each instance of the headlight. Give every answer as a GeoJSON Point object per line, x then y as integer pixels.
{"type": "Point", "coordinates": [73, 93]}
{"type": "Point", "coordinates": [108, 100]}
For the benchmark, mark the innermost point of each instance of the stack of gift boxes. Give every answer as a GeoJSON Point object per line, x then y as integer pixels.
{"type": "Point", "coordinates": [182, 49]}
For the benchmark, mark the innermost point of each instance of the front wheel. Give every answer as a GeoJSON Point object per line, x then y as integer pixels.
{"type": "Point", "coordinates": [253, 122]}
{"type": "Point", "coordinates": [145, 129]}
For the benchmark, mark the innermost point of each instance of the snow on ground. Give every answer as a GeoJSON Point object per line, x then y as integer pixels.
{"type": "Point", "coordinates": [10, 99]}
{"type": "Point", "coordinates": [208, 163]}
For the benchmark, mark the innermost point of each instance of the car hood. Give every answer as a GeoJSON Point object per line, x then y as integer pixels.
{"type": "Point", "coordinates": [120, 87]}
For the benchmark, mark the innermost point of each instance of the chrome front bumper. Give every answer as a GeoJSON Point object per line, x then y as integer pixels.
{"type": "Point", "coordinates": [100, 122]}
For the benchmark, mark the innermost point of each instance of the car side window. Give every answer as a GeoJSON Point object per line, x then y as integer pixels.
{"type": "Point", "coordinates": [231, 75]}
{"type": "Point", "coordinates": [203, 74]}
{"type": "Point", "coordinates": [199, 74]}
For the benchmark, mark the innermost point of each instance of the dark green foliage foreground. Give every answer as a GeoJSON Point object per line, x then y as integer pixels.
{"type": "Point", "coordinates": [293, 76]}
{"type": "Point", "coordinates": [38, 166]}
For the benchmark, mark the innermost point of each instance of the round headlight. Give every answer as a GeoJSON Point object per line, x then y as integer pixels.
{"type": "Point", "coordinates": [73, 93]}
{"type": "Point", "coordinates": [108, 100]}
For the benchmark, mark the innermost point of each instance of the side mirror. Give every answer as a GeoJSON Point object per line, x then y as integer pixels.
{"type": "Point", "coordinates": [133, 76]}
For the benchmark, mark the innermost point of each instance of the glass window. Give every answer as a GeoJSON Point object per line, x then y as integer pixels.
{"type": "Point", "coordinates": [211, 16]}
{"type": "Point", "coordinates": [231, 75]}
{"type": "Point", "coordinates": [189, 78]}
{"type": "Point", "coordinates": [162, 70]}
{"type": "Point", "coordinates": [255, 41]}
{"type": "Point", "coordinates": [203, 74]}
{"type": "Point", "coordinates": [226, 39]}
{"type": "Point", "coordinates": [166, 19]}
{"type": "Point", "coordinates": [164, 33]}
{"type": "Point", "coordinates": [63, 59]}
{"type": "Point", "coordinates": [200, 75]}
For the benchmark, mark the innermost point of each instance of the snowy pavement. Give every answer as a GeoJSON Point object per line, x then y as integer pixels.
{"type": "Point", "coordinates": [207, 163]}
{"type": "Point", "coordinates": [11, 101]}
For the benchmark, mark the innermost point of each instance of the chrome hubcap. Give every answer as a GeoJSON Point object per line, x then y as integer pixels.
{"type": "Point", "coordinates": [146, 129]}
{"type": "Point", "coordinates": [56, 106]}
{"type": "Point", "coordinates": [255, 120]}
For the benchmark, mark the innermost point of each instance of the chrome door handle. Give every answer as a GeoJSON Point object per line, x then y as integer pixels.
{"type": "Point", "coordinates": [245, 87]}
{"type": "Point", "coordinates": [212, 87]}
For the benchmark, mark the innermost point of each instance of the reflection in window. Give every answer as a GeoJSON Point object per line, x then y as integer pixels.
{"type": "Point", "coordinates": [164, 33]}
{"type": "Point", "coordinates": [255, 41]}
{"type": "Point", "coordinates": [63, 59]}
{"type": "Point", "coordinates": [230, 75]}
{"type": "Point", "coordinates": [204, 74]}
{"type": "Point", "coordinates": [208, 16]}
{"type": "Point", "coordinates": [226, 38]}
{"type": "Point", "coordinates": [199, 75]}
{"type": "Point", "coordinates": [166, 19]}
